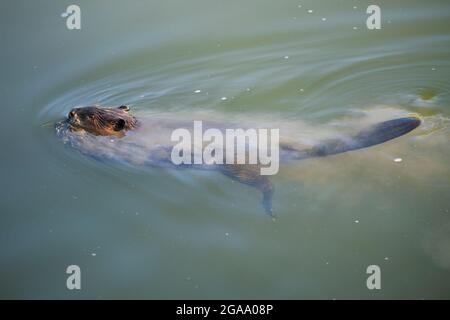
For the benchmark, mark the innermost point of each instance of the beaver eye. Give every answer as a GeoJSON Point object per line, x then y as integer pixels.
{"type": "Point", "coordinates": [119, 125]}
{"type": "Point", "coordinates": [71, 114]}
{"type": "Point", "coordinates": [125, 108]}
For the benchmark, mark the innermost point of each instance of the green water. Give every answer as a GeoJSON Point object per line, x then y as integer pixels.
{"type": "Point", "coordinates": [187, 234]}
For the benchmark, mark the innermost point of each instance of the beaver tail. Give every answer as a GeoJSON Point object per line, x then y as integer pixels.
{"type": "Point", "coordinates": [374, 135]}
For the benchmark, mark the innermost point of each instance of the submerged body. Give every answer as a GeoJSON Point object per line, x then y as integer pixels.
{"type": "Point", "coordinates": [114, 134]}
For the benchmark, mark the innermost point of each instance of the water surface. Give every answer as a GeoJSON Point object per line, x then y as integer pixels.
{"type": "Point", "coordinates": [186, 234]}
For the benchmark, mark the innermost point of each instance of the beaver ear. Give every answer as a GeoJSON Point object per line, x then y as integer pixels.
{"type": "Point", "coordinates": [125, 108]}
{"type": "Point", "coordinates": [119, 125]}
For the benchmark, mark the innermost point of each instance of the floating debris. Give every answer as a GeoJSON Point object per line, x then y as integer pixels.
{"type": "Point", "coordinates": [428, 94]}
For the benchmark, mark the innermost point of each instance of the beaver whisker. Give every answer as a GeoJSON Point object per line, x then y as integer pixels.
{"type": "Point", "coordinates": [100, 121]}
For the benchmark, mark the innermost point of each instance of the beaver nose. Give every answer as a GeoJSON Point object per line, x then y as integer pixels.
{"type": "Point", "coordinates": [71, 114]}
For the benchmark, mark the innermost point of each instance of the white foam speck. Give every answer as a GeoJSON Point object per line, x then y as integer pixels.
{"type": "Point", "coordinates": [93, 254]}
{"type": "Point", "coordinates": [356, 221]}
{"type": "Point", "coordinates": [386, 258]}
{"type": "Point", "coordinates": [433, 69]}
{"type": "Point", "coordinates": [355, 28]}
{"type": "Point", "coordinates": [286, 57]}
{"type": "Point", "coordinates": [324, 19]}
{"type": "Point", "coordinates": [355, 7]}
{"type": "Point", "coordinates": [223, 98]}
{"type": "Point", "coordinates": [310, 11]}
{"type": "Point", "coordinates": [197, 91]}
{"type": "Point", "coordinates": [398, 160]}
{"type": "Point", "coordinates": [227, 234]}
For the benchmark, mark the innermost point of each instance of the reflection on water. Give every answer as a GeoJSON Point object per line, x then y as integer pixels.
{"type": "Point", "coordinates": [161, 233]}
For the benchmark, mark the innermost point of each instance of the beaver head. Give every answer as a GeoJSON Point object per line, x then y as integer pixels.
{"type": "Point", "coordinates": [102, 121]}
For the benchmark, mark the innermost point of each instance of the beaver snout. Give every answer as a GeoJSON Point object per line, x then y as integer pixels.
{"type": "Point", "coordinates": [73, 117]}
{"type": "Point", "coordinates": [72, 114]}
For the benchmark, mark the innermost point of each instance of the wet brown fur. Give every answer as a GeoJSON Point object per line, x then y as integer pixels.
{"type": "Point", "coordinates": [102, 121]}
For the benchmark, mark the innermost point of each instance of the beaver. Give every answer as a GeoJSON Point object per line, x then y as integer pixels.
{"type": "Point", "coordinates": [113, 133]}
